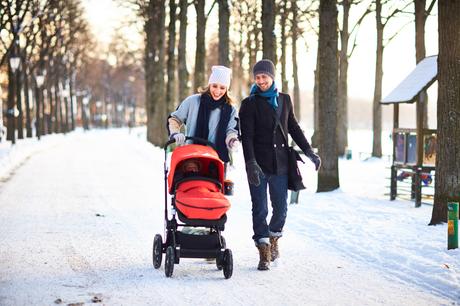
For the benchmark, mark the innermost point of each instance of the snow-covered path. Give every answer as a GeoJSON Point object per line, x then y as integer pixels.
{"type": "Point", "coordinates": [78, 218]}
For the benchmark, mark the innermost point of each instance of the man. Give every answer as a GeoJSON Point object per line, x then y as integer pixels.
{"type": "Point", "coordinates": [266, 156]}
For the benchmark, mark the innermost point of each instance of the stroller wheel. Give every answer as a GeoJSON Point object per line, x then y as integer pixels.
{"type": "Point", "coordinates": [157, 251]}
{"type": "Point", "coordinates": [169, 261]}
{"type": "Point", "coordinates": [228, 263]}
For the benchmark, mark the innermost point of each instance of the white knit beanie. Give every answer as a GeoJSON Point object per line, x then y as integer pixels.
{"type": "Point", "coordinates": [220, 75]}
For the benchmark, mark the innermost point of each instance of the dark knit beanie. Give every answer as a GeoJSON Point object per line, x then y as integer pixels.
{"type": "Point", "coordinates": [264, 66]}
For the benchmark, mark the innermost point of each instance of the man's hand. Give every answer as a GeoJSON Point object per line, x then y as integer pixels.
{"type": "Point", "coordinates": [314, 159]}
{"type": "Point", "coordinates": [254, 173]}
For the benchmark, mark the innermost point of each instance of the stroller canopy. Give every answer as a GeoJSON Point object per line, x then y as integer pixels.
{"type": "Point", "coordinates": [211, 165]}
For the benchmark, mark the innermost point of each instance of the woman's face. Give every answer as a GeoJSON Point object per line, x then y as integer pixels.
{"type": "Point", "coordinates": [264, 81]}
{"type": "Point", "coordinates": [217, 90]}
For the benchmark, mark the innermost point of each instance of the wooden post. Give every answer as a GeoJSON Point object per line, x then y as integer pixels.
{"type": "Point", "coordinates": [393, 183]}
{"type": "Point", "coordinates": [452, 225]}
{"type": "Point", "coordinates": [418, 187]}
{"type": "Point", "coordinates": [394, 170]}
{"type": "Point", "coordinates": [419, 161]}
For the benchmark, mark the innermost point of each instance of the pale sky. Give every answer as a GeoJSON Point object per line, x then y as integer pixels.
{"type": "Point", "coordinates": [399, 55]}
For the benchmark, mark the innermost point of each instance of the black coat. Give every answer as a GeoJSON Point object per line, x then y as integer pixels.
{"type": "Point", "coordinates": [261, 137]}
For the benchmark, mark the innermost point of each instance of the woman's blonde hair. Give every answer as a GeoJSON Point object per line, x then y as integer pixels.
{"type": "Point", "coordinates": [228, 99]}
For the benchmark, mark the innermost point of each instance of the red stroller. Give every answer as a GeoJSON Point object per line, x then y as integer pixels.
{"type": "Point", "coordinates": [196, 183]}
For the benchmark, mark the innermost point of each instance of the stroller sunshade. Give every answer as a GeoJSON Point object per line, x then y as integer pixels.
{"type": "Point", "coordinates": [201, 199]}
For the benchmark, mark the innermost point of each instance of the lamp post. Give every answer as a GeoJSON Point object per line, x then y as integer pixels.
{"type": "Point", "coordinates": [66, 95]}
{"type": "Point", "coordinates": [108, 115]}
{"type": "Point", "coordinates": [11, 126]}
{"type": "Point", "coordinates": [39, 79]}
{"type": "Point", "coordinates": [84, 116]}
{"type": "Point", "coordinates": [97, 117]}
{"type": "Point", "coordinates": [120, 117]}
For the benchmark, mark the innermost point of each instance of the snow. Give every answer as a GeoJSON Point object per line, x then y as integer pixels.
{"type": "Point", "coordinates": [423, 74]}
{"type": "Point", "coordinates": [78, 214]}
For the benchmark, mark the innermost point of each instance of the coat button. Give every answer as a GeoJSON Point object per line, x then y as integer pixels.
{"type": "Point", "coordinates": [274, 145]}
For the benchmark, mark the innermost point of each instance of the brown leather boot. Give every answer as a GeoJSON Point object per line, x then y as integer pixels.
{"type": "Point", "coordinates": [264, 254]}
{"type": "Point", "coordinates": [274, 251]}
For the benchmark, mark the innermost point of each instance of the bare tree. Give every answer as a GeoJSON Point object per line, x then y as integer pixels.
{"type": "Point", "coordinates": [381, 23]}
{"type": "Point", "coordinates": [268, 26]}
{"type": "Point", "coordinates": [295, 74]}
{"type": "Point", "coordinates": [297, 17]}
{"type": "Point", "coordinates": [421, 14]}
{"type": "Point", "coordinates": [283, 17]}
{"type": "Point", "coordinates": [344, 55]}
{"type": "Point", "coordinates": [447, 185]}
{"type": "Point", "coordinates": [182, 51]}
{"type": "Point", "coordinates": [328, 175]}
{"type": "Point", "coordinates": [154, 28]}
{"type": "Point", "coordinates": [171, 93]}
{"type": "Point", "coordinates": [200, 54]}
{"type": "Point", "coordinates": [224, 24]}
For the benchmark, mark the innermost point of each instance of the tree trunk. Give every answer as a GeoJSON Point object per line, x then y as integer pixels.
{"type": "Point", "coordinates": [420, 53]}
{"type": "Point", "coordinates": [328, 175]}
{"type": "Point", "coordinates": [52, 103]}
{"type": "Point", "coordinates": [155, 101]}
{"type": "Point", "coordinates": [67, 102]}
{"type": "Point", "coordinates": [315, 137]}
{"type": "Point", "coordinates": [447, 185]}
{"type": "Point", "coordinates": [71, 101]}
{"type": "Point", "coordinates": [200, 54]}
{"type": "Point", "coordinates": [57, 111]}
{"type": "Point", "coordinates": [20, 120]}
{"type": "Point", "coordinates": [11, 126]}
{"type": "Point", "coordinates": [377, 109]}
{"type": "Point", "coordinates": [224, 24]}
{"type": "Point", "coordinates": [283, 19]}
{"type": "Point", "coordinates": [295, 75]}
{"type": "Point", "coordinates": [237, 68]}
{"type": "Point", "coordinates": [268, 25]}
{"type": "Point", "coordinates": [342, 101]}
{"type": "Point", "coordinates": [252, 45]}
{"type": "Point", "coordinates": [38, 130]}
{"type": "Point", "coordinates": [184, 89]}
{"type": "Point", "coordinates": [27, 106]}
{"type": "Point", "coordinates": [171, 96]}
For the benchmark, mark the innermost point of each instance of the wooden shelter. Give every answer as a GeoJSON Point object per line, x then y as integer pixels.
{"type": "Point", "coordinates": [414, 150]}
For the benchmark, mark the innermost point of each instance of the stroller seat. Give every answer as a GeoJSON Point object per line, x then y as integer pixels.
{"type": "Point", "coordinates": [201, 199]}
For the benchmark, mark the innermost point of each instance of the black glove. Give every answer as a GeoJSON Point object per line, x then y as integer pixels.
{"type": "Point", "coordinates": [314, 158]}
{"type": "Point", "coordinates": [254, 172]}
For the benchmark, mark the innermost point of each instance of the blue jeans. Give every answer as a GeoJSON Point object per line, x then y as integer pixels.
{"type": "Point", "coordinates": [277, 187]}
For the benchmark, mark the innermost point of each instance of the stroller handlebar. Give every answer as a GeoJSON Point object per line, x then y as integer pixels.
{"type": "Point", "coordinates": [198, 140]}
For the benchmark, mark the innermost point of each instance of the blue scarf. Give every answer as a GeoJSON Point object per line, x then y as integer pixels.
{"type": "Point", "coordinates": [272, 94]}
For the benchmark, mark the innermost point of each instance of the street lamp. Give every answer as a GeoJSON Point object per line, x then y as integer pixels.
{"type": "Point", "coordinates": [85, 102]}
{"type": "Point", "coordinates": [14, 63]}
{"type": "Point", "coordinates": [66, 96]}
{"type": "Point", "coordinates": [40, 80]}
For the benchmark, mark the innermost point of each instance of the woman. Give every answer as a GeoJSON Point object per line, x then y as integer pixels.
{"type": "Point", "coordinates": [208, 115]}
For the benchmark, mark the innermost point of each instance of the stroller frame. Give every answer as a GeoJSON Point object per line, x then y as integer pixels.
{"type": "Point", "coordinates": [182, 245]}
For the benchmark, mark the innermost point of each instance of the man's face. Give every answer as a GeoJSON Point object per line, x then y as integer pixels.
{"type": "Point", "coordinates": [217, 90]}
{"type": "Point", "coordinates": [264, 81]}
